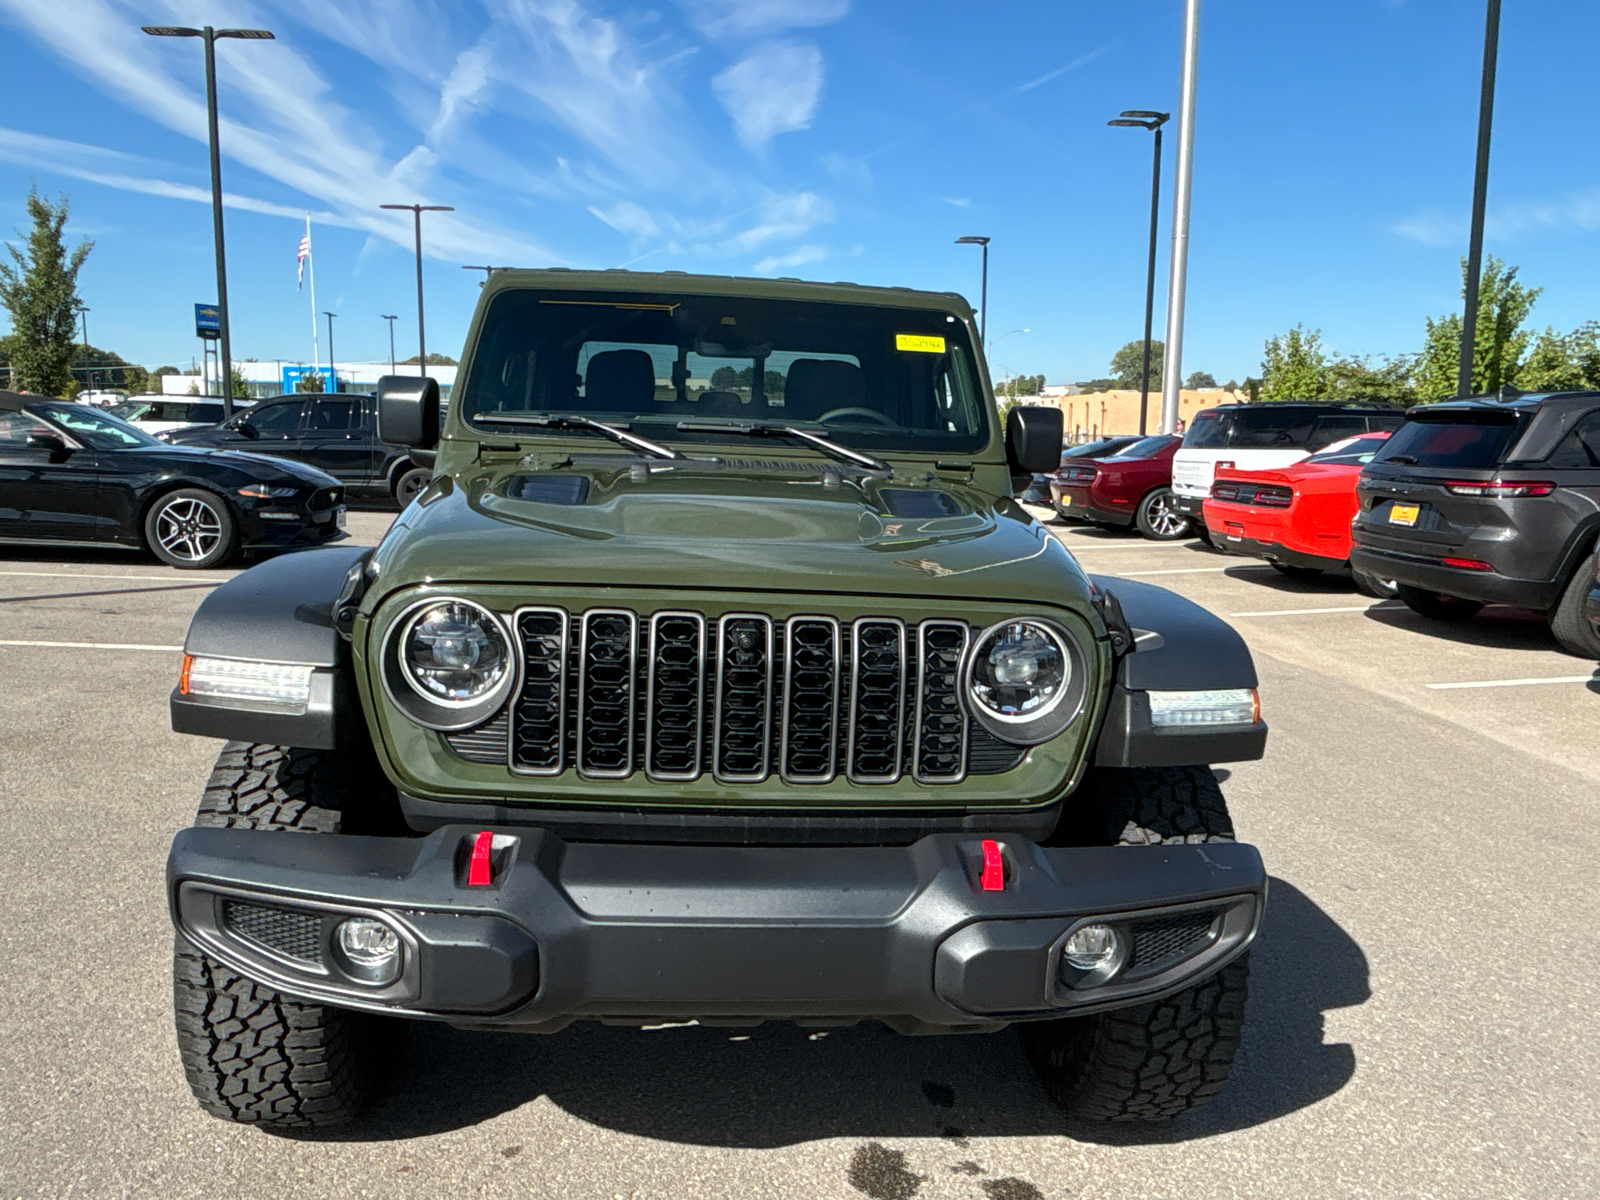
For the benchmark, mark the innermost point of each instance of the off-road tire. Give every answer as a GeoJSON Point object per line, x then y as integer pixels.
{"type": "Point", "coordinates": [1375, 586]}
{"type": "Point", "coordinates": [253, 1055]}
{"type": "Point", "coordinates": [1154, 1061]}
{"type": "Point", "coordinates": [212, 541]}
{"type": "Point", "coordinates": [1159, 520]}
{"type": "Point", "coordinates": [1436, 605]}
{"type": "Point", "coordinates": [409, 483]}
{"type": "Point", "coordinates": [1289, 571]}
{"type": "Point", "coordinates": [1569, 622]}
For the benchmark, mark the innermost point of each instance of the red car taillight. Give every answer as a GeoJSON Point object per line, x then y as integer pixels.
{"type": "Point", "coordinates": [1467, 564]}
{"type": "Point", "coordinates": [1261, 495]}
{"type": "Point", "coordinates": [1496, 490]}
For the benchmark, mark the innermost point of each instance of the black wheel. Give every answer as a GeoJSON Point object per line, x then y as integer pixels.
{"type": "Point", "coordinates": [1158, 517]}
{"type": "Point", "coordinates": [1569, 622]}
{"type": "Point", "coordinates": [253, 1055]}
{"type": "Point", "coordinates": [1154, 1061]}
{"type": "Point", "coordinates": [1291, 572]}
{"type": "Point", "coordinates": [1206, 536]}
{"type": "Point", "coordinates": [412, 480]}
{"type": "Point", "coordinates": [191, 528]}
{"type": "Point", "coordinates": [1372, 585]}
{"type": "Point", "coordinates": [1436, 605]}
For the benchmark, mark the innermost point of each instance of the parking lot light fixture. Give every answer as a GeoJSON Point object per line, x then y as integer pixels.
{"type": "Point", "coordinates": [983, 295]}
{"type": "Point", "coordinates": [210, 36]}
{"type": "Point", "coordinates": [1153, 121]}
{"type": "Point", "coordinates": [417, 210]}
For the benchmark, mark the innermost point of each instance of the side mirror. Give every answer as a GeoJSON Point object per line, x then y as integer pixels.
{"type": "Point", "coordinates": [247, 430]}
{"type": "Point", "coordinates": [1033, 440]}
{"type": "Point", "coordinates": [408, 411]}
{"type": "Point", "coordinates": [52, 442]}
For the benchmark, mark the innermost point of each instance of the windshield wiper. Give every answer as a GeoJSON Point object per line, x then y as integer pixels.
{"type": "Point", "coordinates": [771, 429]}
{"type": "Point", "coordinates": [559, 421]}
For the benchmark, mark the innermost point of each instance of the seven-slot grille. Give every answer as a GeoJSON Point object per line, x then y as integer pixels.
{"type": "Point", "coordinates": [740, 697]}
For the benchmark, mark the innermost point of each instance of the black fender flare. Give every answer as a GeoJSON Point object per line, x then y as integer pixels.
{"type": "Point", "coordinates": [1178, 647]}
{"type": "Point", "coordinates": [281, 611]}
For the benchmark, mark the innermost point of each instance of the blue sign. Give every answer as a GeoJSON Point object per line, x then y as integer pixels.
{"type": "Point", "coordinates": [207, 321]}
{"type": "Point", "coordinates": [293, 375]}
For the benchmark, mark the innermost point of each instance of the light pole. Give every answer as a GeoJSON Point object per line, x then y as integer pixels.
{"type": "Point", "coordinates": [1178, 278]}
{"type": "Point", "coordinates": [1152, 121]}
{"type": "Point", "coordinates": [391, 318]}
{"type": "Point", "coordinates": [983, 295]}
{"type": "Point", "coordinates": [333, 371]}
{"type": "Point", "coordinates": [83, 314]}
{"type": "Point", "coordinates": [417, 210]}
{"type": "Point", "coordinates": [1480, 196]}
{"type": "Point", "coordinates": [210, 36]}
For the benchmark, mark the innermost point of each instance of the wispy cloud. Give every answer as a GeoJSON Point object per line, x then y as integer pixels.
{"type": "Point", "coordinates": [957, 201]}
{"type": "Point", "coordinates": [760, 18]}
{"type": "Point", "coordinates": [1572, 212]}
{"type": "Point", "coordinates": [772, 90]}
{"type": "Point", "coordinates": [797, 258]}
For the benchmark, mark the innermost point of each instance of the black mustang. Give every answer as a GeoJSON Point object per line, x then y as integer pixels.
{"type": "Point", "coordinates": [75, 475]}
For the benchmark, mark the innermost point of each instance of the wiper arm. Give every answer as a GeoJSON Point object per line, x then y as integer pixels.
{"type": "Point", "coordinates": [616, 433]}
{"type": "Point", "coordinates": [770, 429]}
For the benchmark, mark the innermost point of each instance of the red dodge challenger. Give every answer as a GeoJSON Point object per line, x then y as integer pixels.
{"type": "Point", "coordinates": [1296, 517]}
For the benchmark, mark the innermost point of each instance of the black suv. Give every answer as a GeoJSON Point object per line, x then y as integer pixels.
{"type": "Point", "coordinates": [335, 432]}
{"type": "Point", "coordinates": [1489, 501]}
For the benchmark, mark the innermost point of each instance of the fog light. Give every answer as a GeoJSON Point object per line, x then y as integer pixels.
{"type": "Point", "coordinates": [1180, 710]}
{"type": "Point", "coordinates": [369, 950]}
{"type": "Point", "coordinates": [1092, 948]}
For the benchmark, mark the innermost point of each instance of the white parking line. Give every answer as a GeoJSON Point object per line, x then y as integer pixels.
{"type": "Point", "coordinates": [1191, 571]}
{"type": "Point", "coordinates": [1101, 549]}
{"type": "Point", "coordinates": [96, 646]}
{"type": "Point", "coordinates": [1307, 612]}
{"type": "Point", "coordinates": [89, 575]}
{"type": "Point", "coordinates": [1498, 683]}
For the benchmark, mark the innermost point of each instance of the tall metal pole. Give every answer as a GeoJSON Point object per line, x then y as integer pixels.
{"type": "Point", "coordinates": [1172, 364]}
{"type": "Point", "coordinates": [983, 300]}
{"type": "Point", "coordinates": [1480, 196]}
{"type": "Point", "coordinates": [422, 338]}
{"type": "Point", "coordinates": [225, 346]}
{"type": "Point", "coordinates": [391, 320]}
{"type": "Point", "coordinates": [333, 371]}
{"type": "Point", "coordinates": [88, 367]}
{"type": "Point", "coordinates": [1150, 285]}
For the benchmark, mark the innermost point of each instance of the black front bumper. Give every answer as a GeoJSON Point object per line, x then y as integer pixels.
{"type": "Point", "coordinates": [627, 932]}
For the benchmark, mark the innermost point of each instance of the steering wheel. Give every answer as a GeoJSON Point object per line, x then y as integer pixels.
{"type": "Point", "coordinates": [872, 415]}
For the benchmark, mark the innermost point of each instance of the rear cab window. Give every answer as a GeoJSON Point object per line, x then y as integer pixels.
{"type": "Point", "coordinates": [1208, 431]}
{"type": "Point", "coordinates": [1456, 439]}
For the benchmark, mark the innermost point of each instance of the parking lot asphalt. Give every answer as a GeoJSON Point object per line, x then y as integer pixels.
{"type": "Point", "coordinates": [1421, 1024]}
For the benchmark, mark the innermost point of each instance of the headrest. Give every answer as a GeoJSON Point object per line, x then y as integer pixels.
{"type": "Point", "coordinates": [819, 385]}
{"type": "Point", "coordinates": [619, 381]}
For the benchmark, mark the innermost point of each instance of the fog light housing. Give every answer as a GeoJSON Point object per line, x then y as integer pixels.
{"type": "Point", "coordinates": [1092, 947]}
{"type": "Point", "coordinates": [236, 683]}
{"type": "Point", "coordinates": [1189, 710]}
{"type": "Point", "coordinates": [368, 950]}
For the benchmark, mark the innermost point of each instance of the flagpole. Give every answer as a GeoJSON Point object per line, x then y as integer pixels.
{"type": "Point", "coordinates": [311, 273]}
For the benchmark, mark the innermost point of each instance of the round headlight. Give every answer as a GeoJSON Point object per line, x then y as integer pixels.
{"type": "Point", "coordinates": [1023, 680]}
{"type": "Point", "coordinates": [454, 652]}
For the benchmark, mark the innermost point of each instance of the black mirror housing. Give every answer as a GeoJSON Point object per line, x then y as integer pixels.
{"type": "Point", "coordinates": [53, 442]}
{"type": "Point", "coordinates": [1033, 439]}
{"type": "Point", "coordinates": [245, 429]}
{"type": "Point", "coordinates": [408, 411]}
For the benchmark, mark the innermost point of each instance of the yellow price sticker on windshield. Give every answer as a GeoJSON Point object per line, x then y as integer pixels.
{"type": "Point", "coordinates": [921, 343]}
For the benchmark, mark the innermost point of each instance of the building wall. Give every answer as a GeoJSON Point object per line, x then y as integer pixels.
{"type": "Point", "coordinates": [1106, 414]}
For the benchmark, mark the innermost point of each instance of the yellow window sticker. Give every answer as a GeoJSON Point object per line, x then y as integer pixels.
{"type": "Point", "coordinates": [921, 343]}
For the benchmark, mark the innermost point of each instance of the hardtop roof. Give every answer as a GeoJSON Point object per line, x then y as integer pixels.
{"type": "Point", "coordinates": [1510, 402]}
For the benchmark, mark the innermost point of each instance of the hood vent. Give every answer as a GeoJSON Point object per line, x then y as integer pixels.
{"type": "Point", "coordinates": [549, 489]}
{"type": "Point", "coordinates": [919, 502]}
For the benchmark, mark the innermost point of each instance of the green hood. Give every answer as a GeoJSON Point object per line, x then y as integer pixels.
{"type": "Point", "coordinates": [764, 525]}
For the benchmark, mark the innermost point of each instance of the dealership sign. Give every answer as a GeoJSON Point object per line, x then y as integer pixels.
{"type": "Point", "coordinates": [293, 375]}
{"type": "Point", "coordinates": [207, 321]}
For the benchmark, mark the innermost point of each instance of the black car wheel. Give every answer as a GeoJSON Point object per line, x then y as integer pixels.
{"type": "Point", "coordinates": [411, 483]}
{"type": "Point", "coordinates": [190, 528]}
{"type": "Point", "coordinates": [1569, 622]}
{"type": "Point", "coordinates": [1158, 517]}
{"type": "Point", "coordinates": [1375, 586]}
{"type": "Point", "coordinates": [1437, 605]}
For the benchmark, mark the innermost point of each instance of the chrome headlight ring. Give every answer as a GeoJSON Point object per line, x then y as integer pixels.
{"type": "Point", "coordinates": [1040, 640]}
{"type": "Point", "coordinates": [438, 712]}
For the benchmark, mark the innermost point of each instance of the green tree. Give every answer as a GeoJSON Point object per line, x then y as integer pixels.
{"type": "Point", "coordinates": [39, 288]}
{"type": "Point", "coordinates": [1356, 378]}
{"type": "Point", "coordinates": [1127, 364]}
{"type": "Point", "coordinates": [241, 385]}
{"type": "Point", "coordinates": [312, 381]}
{"type": "Point", "coordinates": [1500, 341]}
{"type": "Point", "coordinates": [1200, 379]}
{"type": "Point", "coordinates": [724, 379]}
{"type": "Point", "coordinates": [1091, 386]}
{"type": "Point", "coordinates": [1293, 366]}
{"type": "Point", "coordinates": [1562, 362]}
{"type": "Point", "coordinates": [434, 360]}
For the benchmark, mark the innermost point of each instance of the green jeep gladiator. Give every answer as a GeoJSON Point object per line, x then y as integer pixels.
{"type": "Point", "coordinates": [715, 676]}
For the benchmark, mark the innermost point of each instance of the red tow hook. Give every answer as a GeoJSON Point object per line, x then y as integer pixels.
{"type": "Point", "coordinates": [480, 869]}
{"type": "Point", "coordinates": [993, 878]}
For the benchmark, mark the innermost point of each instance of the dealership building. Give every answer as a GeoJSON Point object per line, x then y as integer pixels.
{"type": "Point", "coordinates": [278, 377]}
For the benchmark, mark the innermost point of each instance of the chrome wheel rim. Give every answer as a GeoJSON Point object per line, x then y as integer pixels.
{"type": "Point", "coordinates": [1166, 520]}
{"type": "Point", "coordinates": [188, 529]}
{"type": "Point", "coordinates": [411, 486]}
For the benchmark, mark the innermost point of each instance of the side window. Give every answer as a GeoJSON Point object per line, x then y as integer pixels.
{"type": "Point", "coordinates": [1385, 422]}
{"type": "Point", "coordinates": [210, 414]}
{"type": "Point", "coordinates": [15, 428]}
{"type": "Point", "coordinates": [330, 416]}
{"type": "Point", "coordinates": [1334, 429]}
{"type": "Point", "coordinates": [1581, 447]}
{"type": "Point", "coordinates": [276, 420]}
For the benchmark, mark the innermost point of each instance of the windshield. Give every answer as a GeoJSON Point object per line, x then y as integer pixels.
{"type": "Point", "coordinates": [95, 428]}
{"type": "Point", "coordinates": [1208, 431]}
{"type": "Point", "coordinates": [1452, 440]}
{"type": "Point", "coordinates": [878, 378]}
{"type": "Point", "coordinates": [1351, 451]}
{"type": "Point", "coordinates": [130, 410]}
{"type": "Point", "coordinates": [1147, 447]}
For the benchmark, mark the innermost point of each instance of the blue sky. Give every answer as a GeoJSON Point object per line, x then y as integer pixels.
{"type": "Point", "coordinates": [830, 139]}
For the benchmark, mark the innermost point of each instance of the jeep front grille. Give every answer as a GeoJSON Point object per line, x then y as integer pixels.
{"type": "Point", "coordinates": [740, 697]}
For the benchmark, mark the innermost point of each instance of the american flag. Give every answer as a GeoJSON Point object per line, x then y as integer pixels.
{"type": "Point", "coordinates": [300, 259]}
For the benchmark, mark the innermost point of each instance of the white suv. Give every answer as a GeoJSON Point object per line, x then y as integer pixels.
{"type": "Point", "coordinates": [1254, 437]}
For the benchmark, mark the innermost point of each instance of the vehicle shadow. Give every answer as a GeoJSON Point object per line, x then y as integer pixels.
{"type": "Point", "coordinates": [1498, 627]}
{"type": "Point", "coordinates": [777, 1085]}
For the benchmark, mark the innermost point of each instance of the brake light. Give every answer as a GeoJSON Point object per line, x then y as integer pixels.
{"type": "Point", "coordinates": [1262, 495]}
{"type": "Point", "coordinates": [1497, 490]}
{"type": "Point", "coordinates": [1467, 564]}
